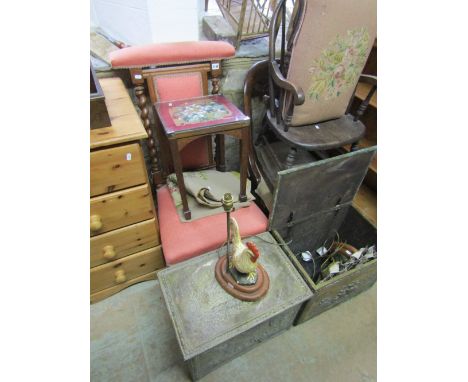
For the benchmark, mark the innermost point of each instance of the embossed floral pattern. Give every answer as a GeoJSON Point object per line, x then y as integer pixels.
{"type": "Point", "coordinates": [339, 65]}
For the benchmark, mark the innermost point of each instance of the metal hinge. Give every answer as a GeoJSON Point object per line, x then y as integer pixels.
{"type": "Point", "coordinates": [291, 222]}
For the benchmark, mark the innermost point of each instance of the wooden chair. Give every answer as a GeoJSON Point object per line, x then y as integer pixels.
{"type": "Point", "coordinates": [165, 72]}
{"type": "Point", "coordinates": [148, 65]}
{"type": "Point", "coordinates": [311, 85]}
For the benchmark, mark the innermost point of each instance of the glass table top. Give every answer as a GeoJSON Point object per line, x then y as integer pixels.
{"type": "Point", "coordinates": [196, 113]}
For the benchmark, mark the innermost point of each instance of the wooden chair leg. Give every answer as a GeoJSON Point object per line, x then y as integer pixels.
{"type": "Point", "coordinates": [220, 153]}
{"type": "Point", "coordinates": [144, 115]}
{"type": "Point", "coordinates": [180, 177]}
{"type": "Point", "coordinates": [291, 158]}
{"type": "Point", "coordinates": [244, 162]}
{"type": "Point", "coordinates": [262, 132]}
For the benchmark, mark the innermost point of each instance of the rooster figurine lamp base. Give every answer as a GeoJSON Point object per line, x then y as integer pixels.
{"type": "Point", "coordinates": [238, 271]}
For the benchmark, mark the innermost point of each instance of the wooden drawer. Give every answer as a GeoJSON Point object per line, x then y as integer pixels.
{"type": "Point", "coordinates": [116, 168]}
{"type": "Point", "coordinates": [102, 294]}
{"type": "Point", "coordinates": [130, 267]}
{"type": "Point", "coordinates": [122, 242]}
{"type": "Point", "coordinates": [120, 209]}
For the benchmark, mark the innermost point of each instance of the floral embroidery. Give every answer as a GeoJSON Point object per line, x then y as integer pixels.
{"type": "Point", "coordinates": [339, 65]}
{"type": "Point", "coordinates": [198, 111]}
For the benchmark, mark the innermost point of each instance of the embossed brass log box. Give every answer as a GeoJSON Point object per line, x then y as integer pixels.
{"type": "Point", "coordinates": [213, 327]}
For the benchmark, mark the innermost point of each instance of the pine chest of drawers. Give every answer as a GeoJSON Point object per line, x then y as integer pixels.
{"type": "Point", "coordinates": [125, 245]}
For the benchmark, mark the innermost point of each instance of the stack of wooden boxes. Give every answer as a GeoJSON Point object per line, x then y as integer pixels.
{"type": "Point", "coordinates": [125, 244]}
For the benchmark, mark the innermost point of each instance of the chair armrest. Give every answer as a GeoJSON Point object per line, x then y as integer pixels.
{"type": "Point", "coordinates": [283, 83]}
{"type": "Point", "coordinates": [256, 75]}
{"type": "Point", "coordinates": [368, 79]}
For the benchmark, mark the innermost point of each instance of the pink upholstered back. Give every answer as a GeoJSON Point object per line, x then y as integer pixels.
{"type": "Point", "coordinates": [171, 87]}
{"type": "Point", "coordinates": [329, 54]}
{"type": "Point", "coordinates": [195, 154]}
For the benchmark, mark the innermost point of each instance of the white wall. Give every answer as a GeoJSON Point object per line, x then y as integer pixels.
{"type": "Point", "coordinates": [139, 22]}
{"type": "Point", "coordinates": [175, 20]}
{"type": "Point", "coordinates": [94, 21]}
{"type": "Point", "coordinates": [125, 20]}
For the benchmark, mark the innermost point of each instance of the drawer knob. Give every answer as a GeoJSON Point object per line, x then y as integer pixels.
{"type": "Point", "coordinates": [109, 252]}
{"type": "Point", "coordinates": [96, 223]}
{"type": "Point", "coordinates": [120, 276]}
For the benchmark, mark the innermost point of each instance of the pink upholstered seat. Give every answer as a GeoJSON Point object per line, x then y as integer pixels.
{"type": "Point", "coordinates": [182, 241]}
{"type": "Point", "coordinates": [171, 53]}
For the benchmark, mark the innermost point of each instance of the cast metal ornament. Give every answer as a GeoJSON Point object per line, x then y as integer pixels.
{"type": "Point", "coordinates": [238, 271]}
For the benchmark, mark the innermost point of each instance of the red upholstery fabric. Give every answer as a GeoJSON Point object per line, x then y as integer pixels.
{"type": "Point", "coordinates": [182, 241]}
{"type": "Point", "coordinates": [195, 154]}
{"type": "Point", "coordinates": [171, 87]}
{"type": "Point", "coordinates": [170, 53]}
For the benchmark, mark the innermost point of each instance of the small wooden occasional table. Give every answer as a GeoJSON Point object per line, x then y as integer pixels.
{"type": "Point", "coordinates": [211, 326]}
{"type": "Point", "coordinates": [184, 121]}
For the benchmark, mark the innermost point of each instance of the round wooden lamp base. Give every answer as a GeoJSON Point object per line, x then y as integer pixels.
{"type": "Point", "coordinates": [242, 292]}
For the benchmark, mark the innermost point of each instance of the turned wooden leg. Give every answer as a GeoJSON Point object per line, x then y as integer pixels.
{"type": "Point", "coordinates": [220, 153]}
{"type": "Point", "coordinates": [291, 158]}
{"type": "Point", "coordinates": [262, 132]}
{"type": "Point", "coordinates": [215, 85]}
{"type": "Point", "coordinates": [144, 115]}
{"type": "Point", "coordinates": [180, 177]}
{"type": "Point", "coordinates": [244, 162]}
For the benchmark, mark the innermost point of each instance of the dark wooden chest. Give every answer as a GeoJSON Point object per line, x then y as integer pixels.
{"type": "Point", "coordinates": [312, 204]}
